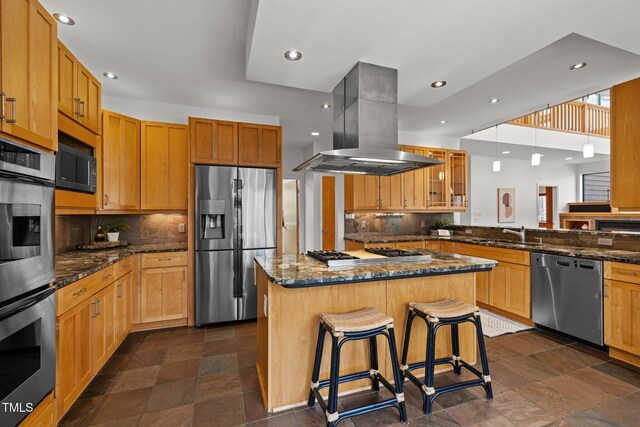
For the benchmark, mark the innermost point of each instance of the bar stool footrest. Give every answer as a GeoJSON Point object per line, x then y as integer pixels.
{"type": "Point", "coordinates": [347, 378]}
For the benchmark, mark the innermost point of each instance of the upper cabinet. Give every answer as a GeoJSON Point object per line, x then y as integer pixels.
{"type": "Point", "coordinates": [259, 145]}
{"type": "Point", "coordinates": [28, 73]}
{"type": "Point", "coordinates": [79, 92]}
{"type": "Point", "coordinates": [120, 162]}
{"type": "Point", "coordinates": [217, 142]}
{"type": "Point", "coordinates": [441, 188]}
{"type": "Point", "coordinates": [164, 166]}
{"type": "Point", "coordinates": [213, 141]}
{"type": "Point", "coordinates": [625, 146]}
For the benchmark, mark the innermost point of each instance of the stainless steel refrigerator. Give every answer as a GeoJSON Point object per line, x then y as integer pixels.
{"type": "Point", "coordinates": [235, 221]}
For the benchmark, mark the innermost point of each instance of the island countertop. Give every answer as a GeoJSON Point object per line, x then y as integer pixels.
{"type": "Point", "coordinates": [299, 271]}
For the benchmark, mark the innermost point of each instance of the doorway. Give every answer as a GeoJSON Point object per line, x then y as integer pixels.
{"type": "Point", "coordinates": [328, 213]}
{"type": "Point", "coordinates": [290, 216]}
{"type": "Point", "coordinates": [546, 206]}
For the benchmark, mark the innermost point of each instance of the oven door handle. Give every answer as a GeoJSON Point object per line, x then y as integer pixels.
{"type": "Point", "coordinates": [24, 304]}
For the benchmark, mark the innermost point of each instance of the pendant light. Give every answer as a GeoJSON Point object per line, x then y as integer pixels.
{"type": "Point", "coordinates": [535, 157]}
{"type": "Point", "coordinates": [588, 149]}
{"type": "Point", "coordinates": [496, 162]}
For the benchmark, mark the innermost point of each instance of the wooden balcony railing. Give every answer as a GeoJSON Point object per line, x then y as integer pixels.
{"type": "Point", "coordinates": [574, 116]}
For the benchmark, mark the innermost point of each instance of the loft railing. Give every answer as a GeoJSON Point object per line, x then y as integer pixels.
{"type": "Point", "coordinates": [574, 116]}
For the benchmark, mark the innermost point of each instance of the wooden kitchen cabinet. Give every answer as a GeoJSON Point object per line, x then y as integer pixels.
{"type": "Point", "coordinates": [625, 151]}
{"type": "Point", "coordinates": [457, 165]}
{"type": "Point", "coordinates": [122, 306]}
{"type": "Point", "coordinates": [390, 193]}
{"type": "Point", "coordinates": [120, 162]}
{"type": "Point", "coordinates": [622, 311]}
{"type": "Point", "coordinates": [164, 294]}
{"type": "Point", "coordinates": [102, 326]}
{"type": "Point", "coordinates": [79, 92]}
{"type": "Point", "coordinates": [42, 415]}
{"type": "Point", "coordinates": [437, 194]}
{"type": "Point", "coordinates": [259, 145]}
{"type": "Point", "coordinates": [28, 72]}
{"type": "Point", "coordinates": [164, 166]}
{"type": "Point", "coordinates": [414, 183]}
{"type": "Point", "coordinates": [361, 193]}
{"type": "Point", "coordinates": [507, 287]}
{"type": "Point", "coordinates": [410, 245]}
{"type": "Point", "coordinates": [213, 141]}
{"type": "Point", "coordinates": [74, 367]}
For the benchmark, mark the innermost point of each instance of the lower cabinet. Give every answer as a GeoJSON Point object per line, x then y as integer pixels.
{"type": "Point", "coordinates": [163, 290]}
{"type": "Point", "coordinates": [622, 311]}
{"type": "Point", "coordinates": [102, 326]}
{"type": "Point", "coordinates": [507, 287]}
{"type": "Point", "coordinates": [42, 415]}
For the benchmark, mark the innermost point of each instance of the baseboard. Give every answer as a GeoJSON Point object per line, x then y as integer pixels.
{"type": "Point", "coordinates": [625, 356]}
{"type": "Point", "coordinates": [158, 325]}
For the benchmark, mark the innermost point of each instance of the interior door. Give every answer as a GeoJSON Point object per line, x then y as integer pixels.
{"type": "Point", "coordinates": [328, 213]}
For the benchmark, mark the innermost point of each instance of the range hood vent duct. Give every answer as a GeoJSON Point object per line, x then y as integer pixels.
{"type": "Point", "coordinates": [365, 127]}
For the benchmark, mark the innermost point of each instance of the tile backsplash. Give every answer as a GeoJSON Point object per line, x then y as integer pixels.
{"type": "Point", "coordinates": [74, 230]}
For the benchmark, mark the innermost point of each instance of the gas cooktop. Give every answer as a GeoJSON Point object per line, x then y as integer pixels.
{"type": "Point", "coordinates": [356, 258]}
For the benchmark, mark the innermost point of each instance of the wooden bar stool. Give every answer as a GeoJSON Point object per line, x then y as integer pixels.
{"type": "Point", "coordinates": [447, 312]}
{"type": "Point", "coordinates": [367, 323]}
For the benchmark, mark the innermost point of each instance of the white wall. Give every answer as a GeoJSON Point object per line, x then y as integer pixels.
{"type": "Point", "coordinates": [175, 113]}
{"type": "Point", "coordinates": [416, 138]}
{"type": "Point", "coordinates": [518, 174]}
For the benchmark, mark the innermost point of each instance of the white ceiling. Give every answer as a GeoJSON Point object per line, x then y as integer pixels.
{"type": "Point", "coordinates": [228, 54]}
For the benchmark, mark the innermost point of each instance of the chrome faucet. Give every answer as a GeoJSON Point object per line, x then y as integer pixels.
{"type": "Point", "coordinates": [520, 234]}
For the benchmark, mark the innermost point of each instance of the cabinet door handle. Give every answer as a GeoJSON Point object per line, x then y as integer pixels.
{"type": "Point", "coordinates": [627, 273]}
{"type": "Point", "coordinates": [3, 97]}
{"type": "Point", "coordinates": [165, 259]}
{"type": "Point", "coordinates": [79, 291]}
{"type": "Point", "coordinates": [106, 276]}
{"type": "Point", "coordinates": [94, 309]}
{"type": "Point", "coordinates": [13, 111]}
{"type": "Point", "coordinates": [77, 102]}
{"type": "Point", "coordinates": [126, 266]}
{"type": "Point", "coordinates": [119, 289]}
{"type": "Point", "coordinates": [98, 307]}
{"type": "Point", "coordinates": [106, 200]}
{"type": "Point", "coordinates": [79, 113]}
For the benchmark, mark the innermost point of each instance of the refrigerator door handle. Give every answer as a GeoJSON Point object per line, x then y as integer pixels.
{"type": "Point", "coordinates": [240, 184]}
{"type": "Point", "coordinates": [237, 274]}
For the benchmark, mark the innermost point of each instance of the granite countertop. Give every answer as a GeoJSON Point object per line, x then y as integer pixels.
{"type": "Point", "coordinates": [299, 271]}
{"type": "Point", "coordinates": [598, 253]}
{"type": "Point", "coordinates": [73, 266]}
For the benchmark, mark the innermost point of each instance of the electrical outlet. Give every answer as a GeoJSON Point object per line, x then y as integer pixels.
{"type": "Point", "coordinates": [605, 242]}
{"type": "Point", "coordinates": [468, 231]}
{"type": "Point", "coordinates": [422, 223]}
{"type": "Point", "coordinates": [180, 228]}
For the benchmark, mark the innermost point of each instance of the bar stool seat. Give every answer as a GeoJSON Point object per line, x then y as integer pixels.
{"type": "Point", "coordinates": [444, 309]}
{"type": "Point", "coordinates": [356, 321]}
{"type": "Point", "coordinates": [366, 323]}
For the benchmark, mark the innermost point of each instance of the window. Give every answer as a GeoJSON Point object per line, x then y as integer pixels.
{"type": "Point", "coordinates": [602, 98]}
{"type": "Point", "coordinates": [596, 187]}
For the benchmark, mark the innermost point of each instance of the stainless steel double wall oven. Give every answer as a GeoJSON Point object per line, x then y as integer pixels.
{"type": "Point", "coordinates": [27, 303]}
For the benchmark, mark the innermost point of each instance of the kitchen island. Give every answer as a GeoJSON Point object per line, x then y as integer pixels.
{"type": "Point", "coordinates": [294, 289]}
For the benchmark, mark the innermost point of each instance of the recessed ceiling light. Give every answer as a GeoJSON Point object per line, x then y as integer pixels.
{"type": "Point", "coordinates": [443, 122]}
{"type": "Point", "coordinates": [578, 66]}
{"type": "Point", "coordinates": [494, 100]}
{"type": "Point", "coordinates": [293, 55]}
{"type": "Point", "coordinates": [315, 133]}
{"type": "Point", "coordinates": [63, 19]}
{"type": "Point", "coordinates": [568, 158]}
{"type": "Point", "coordinates": [326, 106]}
{"type": "Point", "coordinates": [438, 83]}
{"type": "Point", "coordinates": [110, 75]}
{"type": "Point", "coordinates": [506, 152]}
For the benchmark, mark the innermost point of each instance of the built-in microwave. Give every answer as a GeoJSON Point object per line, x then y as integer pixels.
{"type": "Point", "coordinates": [75, 169]}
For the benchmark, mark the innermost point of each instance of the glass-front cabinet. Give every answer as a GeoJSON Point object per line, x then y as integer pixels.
{"type": "Point", "coordinates": [457, 164]}
{"type": "Point", "coordinates": [437, 181]}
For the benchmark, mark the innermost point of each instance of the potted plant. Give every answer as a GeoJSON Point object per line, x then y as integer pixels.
{"type": "Point", "coordinates": [440, 224]}
{"type": "Point", "coordinates": [113, 230]}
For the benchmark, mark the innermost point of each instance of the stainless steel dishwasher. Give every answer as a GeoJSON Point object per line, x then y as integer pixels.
{"type": "Point", "coordinates": [566, 295]}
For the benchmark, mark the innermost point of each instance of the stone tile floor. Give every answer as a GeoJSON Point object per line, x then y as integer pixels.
{"type": "Point", "coordinates": [206, 377]}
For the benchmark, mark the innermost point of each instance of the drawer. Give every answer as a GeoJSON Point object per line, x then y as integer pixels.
{"type": "Point", "coordinates": [73, 294]}
{"type": "Point", "coordinates": [164, 259]}
{"type": "Point", "coordinates": [622, 272]}
{"type": "Point", "coordinates": [380, 245]}
{"type": "Point", "coordinates": [499, 254]}
{"type": "Point", "coordinates": [124, 266]}
{"type": "Point", "coordinates": [410, 245]}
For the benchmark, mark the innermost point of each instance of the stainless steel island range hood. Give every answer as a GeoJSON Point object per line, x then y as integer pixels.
{"type": "Point", "coordinates": [365, 127]}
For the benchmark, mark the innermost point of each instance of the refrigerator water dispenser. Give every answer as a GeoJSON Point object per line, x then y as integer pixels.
{"type": "Point", "coordinates": [213, 212]}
